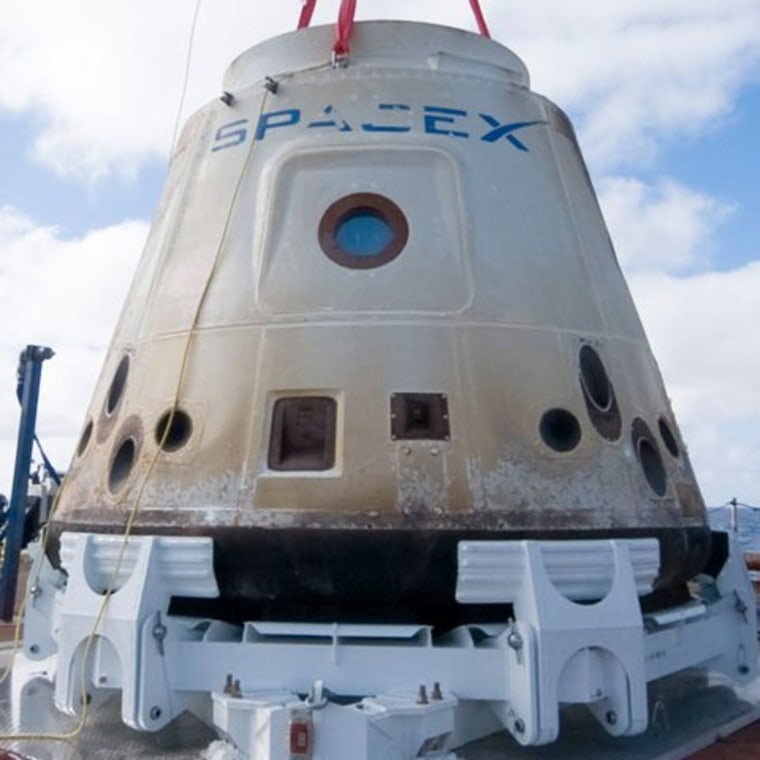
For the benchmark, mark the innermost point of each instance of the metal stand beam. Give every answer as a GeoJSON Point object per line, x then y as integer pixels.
{"type": "Point", "coordinates": [383, 691]}
{"type": "Point", "coordinates": [29, 373]}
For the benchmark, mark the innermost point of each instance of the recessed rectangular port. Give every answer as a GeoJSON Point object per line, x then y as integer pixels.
{"type": "Point", "coordinates": [303, 433]}
{"type": "Point", "coordinates": [419, 416]}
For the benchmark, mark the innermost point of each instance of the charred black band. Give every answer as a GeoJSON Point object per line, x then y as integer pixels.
{"type": "Point", "coordinates": [376, 575]}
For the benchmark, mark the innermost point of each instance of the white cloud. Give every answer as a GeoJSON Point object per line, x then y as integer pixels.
{"type": "Point", "coordinates": [634, 72]}
{"type": "Point", "coordinates": [665, 227]}
{"type": "Point", "coordinates": [702, 325]}
{"type": "Point", "coordinates": [704, 332]}
{"type": "Point", "coordinates": [65, 294]}
{"type": "Point", "coordinates": [105, 79]}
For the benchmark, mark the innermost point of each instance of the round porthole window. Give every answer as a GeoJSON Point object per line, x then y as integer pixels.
{"type": "Point", "coordinates": [363, 231]}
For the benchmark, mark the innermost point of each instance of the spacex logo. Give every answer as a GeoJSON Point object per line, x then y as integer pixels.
{"type": "Point", "coordinates": [391, 118]}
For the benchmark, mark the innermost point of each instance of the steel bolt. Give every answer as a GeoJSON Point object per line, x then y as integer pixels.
{"type": "Point", "coordinates": [422, 697]}
{"type": "Point", "coordinates": [515, 640]}
{"type": "Point", "coordinates": [520, 726]}
{"type": "Point", "coordinates": [437, 693]}
{"type": "Point", "coordinates": [155, 712]}
{"type": "Point", "coordinates": [159, 634]}
{"type": "Point", "coordinates": [611, 717]}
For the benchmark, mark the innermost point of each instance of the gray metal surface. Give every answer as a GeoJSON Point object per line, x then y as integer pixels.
{"type": "Point", "coordinates": [687, 712]}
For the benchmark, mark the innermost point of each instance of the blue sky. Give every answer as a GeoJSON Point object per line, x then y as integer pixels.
{"type": "Point", "coordinates": [665, 98]}
{"type": "Point", "coordinates": [54, 200]}
{"type": "Point", "coordinates": [723, 161]}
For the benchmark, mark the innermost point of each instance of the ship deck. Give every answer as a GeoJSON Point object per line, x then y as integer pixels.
{"type": "Point", "coordinates": [693, 714]}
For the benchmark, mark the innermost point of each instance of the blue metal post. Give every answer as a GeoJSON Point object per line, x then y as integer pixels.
{"type": "Point", "coordinates": [30, 371]}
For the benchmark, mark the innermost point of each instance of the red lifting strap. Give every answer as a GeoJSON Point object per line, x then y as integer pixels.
{"type": "Point", "coordinates": [346, 22]}
{"type": "Point", "coordinates": [344, 26]}
{"type": "Point", "coordinates": [480, 18]}
{"type": "Point", "coordinates": [306, 13]}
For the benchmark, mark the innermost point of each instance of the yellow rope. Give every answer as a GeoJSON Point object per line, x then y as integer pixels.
{"type": "Point", "coordinates": [77, 730]}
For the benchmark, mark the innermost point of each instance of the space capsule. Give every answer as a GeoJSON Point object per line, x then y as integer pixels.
{"type": "Point", "coordinates": [379, 313]}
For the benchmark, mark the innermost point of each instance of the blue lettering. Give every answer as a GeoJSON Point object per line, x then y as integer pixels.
{"type": "Point", "coordinates": [369, 127]}
{"type": "Point", "coordinates": [344, 126]}
{"type": "Point", "coordinates": [506, 131]}
{"type": "Point", "coordinates": [435, 115]}
{"type": "Point", "coordinates": [437, 120]}
{"type": "Point", "coordinates": [274, 119]}
{"type": "Point", "coordinates": [229, 135]}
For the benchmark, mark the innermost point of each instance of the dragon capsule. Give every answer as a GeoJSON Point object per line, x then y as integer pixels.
{"type": "Point", "coordinates": [379, 313]}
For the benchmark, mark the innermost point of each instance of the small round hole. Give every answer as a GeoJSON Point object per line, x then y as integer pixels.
{"type": "Point", "coordinates": [649, 457]}
{"type": "Point", "coordinates": [84, 440]}
{"type": "Point", "coordinates": [117, 385]}
{"type": "Point", "coordinates": [668, 438]}
{"type": "Point", "coordinates": [173, 430]}
{"type": "Point", "coordinates": [560, 430]}
{"type": "Point", "coordinates": [122, 464]}
{"type": "Point", "coordinates": [594, 380]}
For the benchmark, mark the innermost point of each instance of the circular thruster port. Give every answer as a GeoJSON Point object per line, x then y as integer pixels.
{"type": "Point", "coordinates": [363, 231]}
{"type": "Point", "coordinates": [649, 457]}
{"type": "Point", "coordinates": [84, 442]}
{"type": "Point", "coordinates": [173, 430]}
{"type": "Point", "coordinates": [594, 380]}
{"type": "Point", "coordinates": [666, 433]}
{"type": "Point", "coordinates": [560, 430]}
{"type": "Point", "coordinates": [122, 463]}
{"type": "Point", "coordinates": [599, 394]}
{"type": "Point", "coordinates": [118, 384]}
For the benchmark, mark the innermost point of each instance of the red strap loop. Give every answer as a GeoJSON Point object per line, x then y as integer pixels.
{"type": "Point", "coordinates": [345, 23]}
{"type": "Point", "coordinates": [344, 27]}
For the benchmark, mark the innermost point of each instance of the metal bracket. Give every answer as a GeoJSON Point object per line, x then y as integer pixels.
{"type": "Point", "coordinates": [577, 636]}
{"type": "Point", "coordinates": [120, 642]}
{"type": "Point", "coordinates": [561, 651]}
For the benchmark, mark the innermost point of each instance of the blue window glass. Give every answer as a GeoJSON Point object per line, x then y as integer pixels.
{"type": "Point", "coordinates": [363, 233]}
